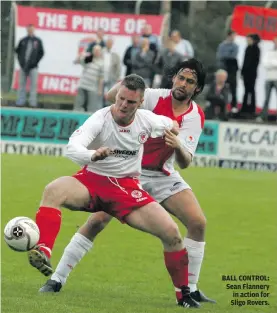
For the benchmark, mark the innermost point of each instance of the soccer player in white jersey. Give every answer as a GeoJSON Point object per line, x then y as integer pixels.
{"type": "Point", "coordinates": [159, 177]}
{"type": "Point", "coordinates": [110, 146]}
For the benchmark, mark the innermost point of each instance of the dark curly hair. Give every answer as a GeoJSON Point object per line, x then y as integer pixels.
{"type": "Point", "coordinates": [192, 64]}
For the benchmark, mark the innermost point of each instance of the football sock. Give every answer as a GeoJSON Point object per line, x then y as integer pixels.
{"type": "Point", "coordinates": [195, 253]}
{"type": "Point", "coordinates": [49, 223]}
{"type": "Point", "coordinates": [177, 266]}
{"type": "Point", "coordinates": [72, 255]}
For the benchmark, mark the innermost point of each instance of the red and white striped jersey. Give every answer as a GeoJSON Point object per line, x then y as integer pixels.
{"type": "Point", "coordinates": [157, 156]}
{"type": "Point", "coordinates": [100, 130]}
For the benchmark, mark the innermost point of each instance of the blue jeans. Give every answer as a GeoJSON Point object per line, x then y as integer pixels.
{"type": "Point", "coordinates": [21, 92]}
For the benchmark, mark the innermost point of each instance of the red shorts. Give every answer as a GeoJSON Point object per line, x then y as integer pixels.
{"type": "Point", "coordinates": [115, 196]}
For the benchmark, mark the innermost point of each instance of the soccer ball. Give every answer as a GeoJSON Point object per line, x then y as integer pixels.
{"type": "Point", "coordinates": [21, 234]}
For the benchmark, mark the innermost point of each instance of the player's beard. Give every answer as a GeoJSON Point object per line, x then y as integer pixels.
{"type": "Point", "coordinates": [181, 95]}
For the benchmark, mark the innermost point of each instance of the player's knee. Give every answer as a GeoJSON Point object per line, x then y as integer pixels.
{"type": "Point", "coordinates": [173, 237]}
{"type": "Point", "coordinates": [198, 226]}
{"type": "Point", "coordinates": [54, 193]}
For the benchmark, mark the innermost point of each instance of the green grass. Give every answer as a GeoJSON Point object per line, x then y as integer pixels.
{"type": "Point", "coordinates": [125, 272]}
{"type": "Point", "coordinates": [52, 99]}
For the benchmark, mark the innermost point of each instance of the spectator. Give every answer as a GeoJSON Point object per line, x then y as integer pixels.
{"type": "Point", "coordinates": [84, 43]}
{"type": "Point", "coordinates": [130, 54]}
{"type": "Point", "coordinates": [249, 74]}
{"type": "Point", "coordinates": [217, 96]}
{"type": "Point", "coordinates": [270, 64]}
{"type": "Point", "coordinates": [226, 55]}
{"type": "Point", "coordinates": [112, 67]}
{"type": "Point", "coordinates": [182, 46]}
{"type": "Point", "coordinates": [29, 52]}
{"type": "Point", "coordinates": [153, 39]}
{"type": "Point", "coordinates": [167, 60]}
{"type": "Point", "coordinates": [154, 45]}
{"type": "Point", "coordinates": [90, 90]}
{"type": "Point", "coordinates": [99, 40]}
{"type": "Point", "coordinates": [143, 62]}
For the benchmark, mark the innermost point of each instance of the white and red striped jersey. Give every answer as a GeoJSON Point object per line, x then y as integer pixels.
{"type": "Point", "coordinates": [157, 156]}
{"type": "Point", "coordinates": [100, 130]}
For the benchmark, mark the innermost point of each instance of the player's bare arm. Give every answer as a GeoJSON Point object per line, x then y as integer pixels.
{"type": "Point", "coordinates": [183, 157]}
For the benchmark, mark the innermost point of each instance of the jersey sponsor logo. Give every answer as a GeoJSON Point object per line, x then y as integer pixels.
{"type": "Point", "coordinates": [143, 136]}
{"type": "Point", "coordinates": [124, 130]}
{"type": "Point", "coordinates": [125, 154]}
{"type": "Point", "coordinates": [136, 194]}
{"type": "Point", "coordinates": [190, 140]}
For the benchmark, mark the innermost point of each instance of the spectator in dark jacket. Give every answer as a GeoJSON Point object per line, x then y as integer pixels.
{"type": "Point", "coordinates": [130, 54]}
{"type": "Point", "coordinates": [249, 74]}
{"type": "Point", "coordinates": [142, 64]}
{"type": "Point", "coordinates": [29, 52]}
{"type": "Point", "coordinates": [153, 39]}
{"type": "Point", "coordinates": [153, 44]}
{"type": "Point", "coordinates": [217, 97]}
{"type": "Point", "coordinates": [226, 55]}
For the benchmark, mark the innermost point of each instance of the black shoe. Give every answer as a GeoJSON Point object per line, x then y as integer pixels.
{"type": "Point", "coordinates": [199, 296]}
{"type": "Point", "coordinates": [40, 261]}
{"type": "Point", "coordinates": [187, 301]}
{"type": "Point", "coordinates": [51, 286]}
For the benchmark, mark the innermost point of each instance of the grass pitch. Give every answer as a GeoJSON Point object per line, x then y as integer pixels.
{"type": "Point", "coordinates": [124, 272]}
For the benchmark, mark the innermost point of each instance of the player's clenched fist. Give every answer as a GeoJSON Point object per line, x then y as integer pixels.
{"type": "Point", "coordinates": [101, 154]}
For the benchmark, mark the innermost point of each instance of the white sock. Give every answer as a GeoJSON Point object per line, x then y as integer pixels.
{"type": "Point", "coordinates": [195, 253]}
{"type": "Point", "coordinates": [73, 253]}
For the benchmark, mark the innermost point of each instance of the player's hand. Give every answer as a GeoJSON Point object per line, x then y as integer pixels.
{"type": "Point", "coordinates": [172, 140]}
{"type": "Point", "coordinates": [101, 154]}
{"type": "Point", "coordinates": [175, 129]}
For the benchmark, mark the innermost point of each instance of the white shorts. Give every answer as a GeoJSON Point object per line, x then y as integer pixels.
{"type": "Point", "coordinates": [162, 187]}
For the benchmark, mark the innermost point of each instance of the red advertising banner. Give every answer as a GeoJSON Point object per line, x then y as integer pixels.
{"type": "Point", "coordinates": [52, 84]}
{"type": "Point", "coordinates": [66, 33]}
{"type": "Point", "coordinates": [259, 20]}
{"type": "Point", "coordinates": [85, 21]}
